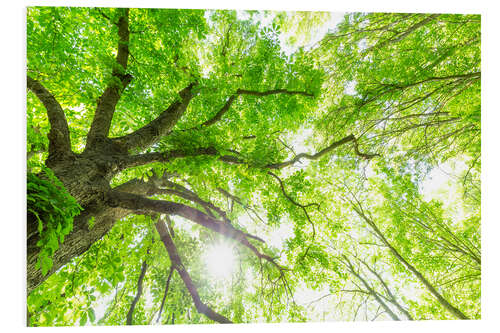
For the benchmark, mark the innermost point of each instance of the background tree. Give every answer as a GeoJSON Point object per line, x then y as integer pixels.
{"type": "Point", "coordinates": [155, 135]}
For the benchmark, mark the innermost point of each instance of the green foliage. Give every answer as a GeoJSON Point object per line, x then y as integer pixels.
{"type": "Point", "coordinates": [54, 209]}
{"type": "Point", "coordinates": [408, 93]}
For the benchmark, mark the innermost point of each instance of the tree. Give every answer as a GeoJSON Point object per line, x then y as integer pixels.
{"type": "Point", "coordinates": [154, 134]}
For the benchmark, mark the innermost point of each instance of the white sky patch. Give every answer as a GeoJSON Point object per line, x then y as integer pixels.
{"type": "Point", "coordinates": [369, 172]}
{"type": "Point", "coordinates": [350, 88]}
{"type": "Point", "coordinates": [300, 139]}
{"type": "Point", "coordinates": [442, 184]}
{"type": "Point", "coordinates": [437, 181]}
{"type": "Point", "coordinates": [317, 302]}
{"type": "Point", "coordinates": [362, 44]}
{"type": "Point", "coordinates": [242, 15]}
{"type": "Point", "coordinates": [315, 36]}
{"type": "Point", "coordinates": [278, 236]}
{"type": "Point", "coordinates": [304, 295]}
{"type": "Point", "coordinates": [102, 303]}
{"type": "Point", "coordinates": [183, 224]}
{"type": "Point", "coordinates": [245, 221]}
{"type": "Point", "coordinates": [266, 19]}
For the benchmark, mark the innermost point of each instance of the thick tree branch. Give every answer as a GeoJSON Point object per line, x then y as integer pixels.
{"type": "Point", "coordinates": [179, 267]}
{"type": "Point", "coordinates": [161, 185]}
{"type": "Point", "coordinates": [59, 140]}
{"type": "Point", "coordinates": [143, 159]}
{"type": "Point", "coordinates": [142, 205]}
{"type": "Point", "coordinates": [182, 192]}
{"type": "Point", "coordinates": [130, 313]}
{"type": "Point", "coordinates": [151, 133]}
{"type": "Point", "coordinates": [106, 104]}
{"type": "Point", "coordinates": [239, 92]}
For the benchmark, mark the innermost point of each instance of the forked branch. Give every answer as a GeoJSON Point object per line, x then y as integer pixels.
{"type": "Point", "coordinates": [324, 151]}
{"type": "Point", "coordinates": [232, 98]}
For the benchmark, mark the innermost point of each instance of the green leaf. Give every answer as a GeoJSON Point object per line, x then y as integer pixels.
{"type": "Point", "coordinates": [83, 318]}
{"type": "Point", "coordinates": [91, 315]}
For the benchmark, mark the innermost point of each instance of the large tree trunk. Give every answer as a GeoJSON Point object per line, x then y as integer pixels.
{"type": "Point", "coordinates": [86, 177]}
{"type": "Point", "coordinates": [75, 243]}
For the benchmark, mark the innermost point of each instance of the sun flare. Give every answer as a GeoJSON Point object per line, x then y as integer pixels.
{"type": "Point", "coordinates": [220, 260]}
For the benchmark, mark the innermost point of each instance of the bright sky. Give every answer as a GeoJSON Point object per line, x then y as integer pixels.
{"type": "Point", "coordinates": [266, 20]}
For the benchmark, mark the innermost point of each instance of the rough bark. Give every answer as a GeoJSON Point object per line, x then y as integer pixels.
{"type": "Point", "coordinates": [59, 141]}
{"type": "Point", "coordinates": [107, 102]}
{"type": "Point", "coordinates": [159, 127]}
{"type": "Point", "coordinates": [87, 181]}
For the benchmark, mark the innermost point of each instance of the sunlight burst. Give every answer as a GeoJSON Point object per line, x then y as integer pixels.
{"type": "Point", "coordinates": [220, 260]}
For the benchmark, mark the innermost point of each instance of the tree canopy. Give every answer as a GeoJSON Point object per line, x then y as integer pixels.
{"type": "Point", "coordinates": [201, 166]}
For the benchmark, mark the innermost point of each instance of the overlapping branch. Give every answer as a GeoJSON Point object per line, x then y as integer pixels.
{"type": "Point", "coordinates": [142, 205]}
{"type": "Point", "coordinates": [146, 158]}
{"type": "Point", "coordinates": [391, 298]}
{"type": "Point", "coordinates": [142, 159]}
{"type": "Point", "coordinates": [403, 34]}
{"type": "Point", "coordinates": [182, 192]}
{"type": "Point", "coordinates": [238, 200]}
{"type": "Point", "coordinates": [161, 185]}
{"type": "Point", "coordinates": [444, 302]}
{"type": "Point", "coordinates": [59, 140]}
{"type": "Point", "coordinates": [186, 278]}
{"type": "Point", "coordinates": [106, 104]}
{"type": "Point", "coordinates": [303, 207]}
{"type": "Point", "coordinates": [369, 289]}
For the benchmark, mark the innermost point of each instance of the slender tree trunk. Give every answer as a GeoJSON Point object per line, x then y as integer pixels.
{"type": "Point", "coordinates": [443, 301]}
{"type": "Point", "coordinates": [140, 282]}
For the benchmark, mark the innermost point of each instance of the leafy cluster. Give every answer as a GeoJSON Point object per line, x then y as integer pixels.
{"type": "Point", "coordinates": [54, 208]}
